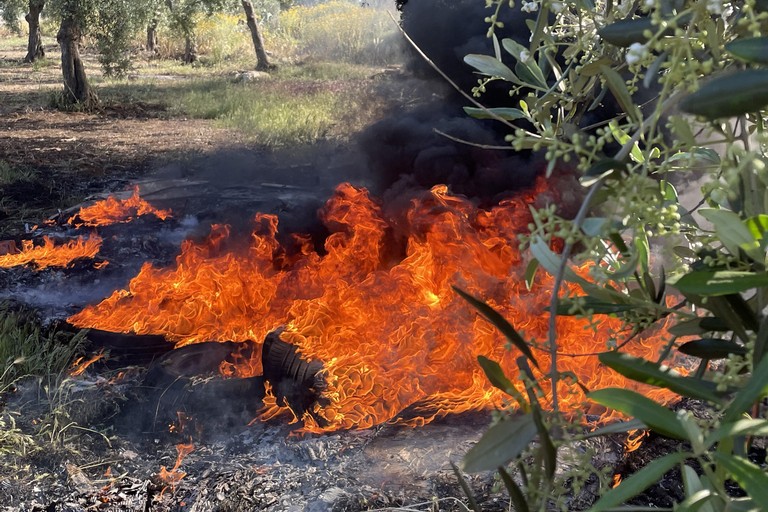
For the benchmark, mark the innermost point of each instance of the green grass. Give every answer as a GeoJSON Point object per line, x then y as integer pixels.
{"type": "Point", "coordinates": [325, 70]}
{"type": "Point", "coordinates": [10, 174]}
{"type": "Point", "coordinates": [274, 112]}
{"type": "Point", "coordinates": [12, 41]}
{"type": "Point", "coordinates": [28, 349]}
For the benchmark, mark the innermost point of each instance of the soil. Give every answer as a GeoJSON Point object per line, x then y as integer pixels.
{"type": "Point", "coordinates": [72, 154]}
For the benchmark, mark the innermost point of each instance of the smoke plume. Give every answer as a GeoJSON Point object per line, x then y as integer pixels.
{"type": "Point", "coordinates": [405, 150]}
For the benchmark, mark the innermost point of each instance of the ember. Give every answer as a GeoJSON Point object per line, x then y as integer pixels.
{"type": "Point", "coordinates": [389, 330]}
{"type": "Point", "coordinates": [113, 211]}
{"type": "Point", "coordinates": [51, 255]}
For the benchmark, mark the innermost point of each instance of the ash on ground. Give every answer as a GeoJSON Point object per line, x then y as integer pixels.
{"type": "Point", "coordinates": [101, 461]}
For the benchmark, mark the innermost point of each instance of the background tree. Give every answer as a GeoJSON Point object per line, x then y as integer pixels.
{"type": "Point", "coordinates": [12, 11]}
{"type": "Point", "coordinates": [184, 15]}
{"type": "Point", "coordinates": [35, 48]}
{"type": "Point", "coordinates": [74, 15]}
{"type": "Point", "coordinates": [112, 24]}
{"type": "Point", "coordinates": [262, 60]}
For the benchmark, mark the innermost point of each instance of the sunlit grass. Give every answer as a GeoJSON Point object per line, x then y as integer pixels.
{"type": "Point", "coordinates": [342, 31]}
{"type": "Point", "coordinates": [338, 30]}
{"type": "Point", "coordinates": [11, 41]}
{"type": "Point", "coordinates": [274, 114]}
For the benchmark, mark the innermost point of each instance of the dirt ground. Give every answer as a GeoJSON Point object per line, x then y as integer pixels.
{"type": "Point", "coordinates": [116, 138]}
{"type": "Point", "coordinates": [72, 154]}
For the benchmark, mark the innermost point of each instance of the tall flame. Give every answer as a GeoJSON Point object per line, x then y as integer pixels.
{"type": "Point", "coordinates": [51, 255]}
{"type": "Point", "coordinates": [389, 329]}
{"type": "Point", "coordinates": [113, 211]}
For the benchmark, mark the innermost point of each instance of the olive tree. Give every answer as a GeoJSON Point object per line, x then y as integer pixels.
{"type": "Point", "coordinates": [262, 60]}
{"type": "Point", "coordinates": [111, 23]}
{"type": "Point", "coordinates": [12, 11]}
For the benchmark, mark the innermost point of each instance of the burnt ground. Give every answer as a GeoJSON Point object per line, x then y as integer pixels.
{"type": "Point", "coordinates": [235, 466]}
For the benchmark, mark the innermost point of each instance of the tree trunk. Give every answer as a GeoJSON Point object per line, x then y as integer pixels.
{"type": "Point", "coordinates": [76, 87]}
{"type": "Point", "coordinates": [262, 60]}
{"type": "Point", "coordinates": [35, 48]}
{"type": "Point", "coordinates": [190, 47]}
{"type": "Point", "coordinates": [152, 35]}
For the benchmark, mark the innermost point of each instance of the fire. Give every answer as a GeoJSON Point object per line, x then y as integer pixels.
{"type": "Point", "coordinates": [51, 255]}
{"type": "Point", "coordinates": [173, 476]}
{"type": "Point", "coordinates": [376, 306]}
{"type": "Point", "coordinates": [634, 439]}
{"type": "Point", "coordinates": [113, 211]}
{"type": "Point", "coordinates": [81, 364]}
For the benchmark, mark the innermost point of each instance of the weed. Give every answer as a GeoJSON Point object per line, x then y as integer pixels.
{"type": "Point", "coordinates": [27, 348]}
{"type": "Point", "coordinates": [292, 113]}
{"type": "Point", "coordinates": [13, 441]}
{"type": "Point", "coordinates": [10, 174]}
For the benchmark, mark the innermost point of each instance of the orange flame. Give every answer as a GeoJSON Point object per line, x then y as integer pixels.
{"type": "Point", "coordinates": [114, 211]}
{"type": "Point", "coordinates": [387, 325]}
{"type": "Point", "coordinates": [173, 476]}
{"type": "Point", "coordinates": [634, 439]}
{"type": "Point", "coordinates": [51, 255]}
{"type": "Point", "coordinates": [81, 364]}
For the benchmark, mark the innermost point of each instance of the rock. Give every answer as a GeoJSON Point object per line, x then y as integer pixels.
{"type": "Point", "coordinates": [249, 76]}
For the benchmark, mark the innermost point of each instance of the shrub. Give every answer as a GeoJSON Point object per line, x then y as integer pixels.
{"type": "Point", "coordinates": [708, 62]}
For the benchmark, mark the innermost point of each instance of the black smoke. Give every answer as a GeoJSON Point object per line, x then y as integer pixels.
{"type": "Point", "coordinates": [405, 150]}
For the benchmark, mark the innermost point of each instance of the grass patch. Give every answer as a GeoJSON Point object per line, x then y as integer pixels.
{"type": "Point", "coordinates": [325, 70]}
{"type": "Point", "coordinates": [10, 174]}
{"type": "Point", "coordinates": [29, 349]}
{"type": "Point", "coordinates": [275, 113]}
{"type": "Point", "coordinates": [341, 31]}
{"type": "Point", "coordinates": [10, 41]}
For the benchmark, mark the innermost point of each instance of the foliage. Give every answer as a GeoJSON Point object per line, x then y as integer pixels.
{"type": "Point", "coordinates": [114, 26]}
{"type": "Point", "coordinates": [699, 58]}
{"type": "Point", "coordinates": [11, 11]}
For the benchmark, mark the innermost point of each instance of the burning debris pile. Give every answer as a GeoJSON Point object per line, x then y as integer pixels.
{"type": "Point", "coordinates": [365, 332]}
{"type": "Point", "coordinates": [375, 331]}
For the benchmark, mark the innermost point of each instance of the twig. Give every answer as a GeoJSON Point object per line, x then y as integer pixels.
{"type": "Point", "coordinates": [448, 79]}
{"type": "Point", "coordinates": [470, 143]}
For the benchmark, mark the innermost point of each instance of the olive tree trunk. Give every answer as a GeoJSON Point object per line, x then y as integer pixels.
{"type": "Point", "coordinates": [76, 86]}
{"type": "Point", "coordinates": [190, 47]}
{"type": "Point", "coordinates": [262, 60]}
{"type": "Point", "coordinates": [152, 35]}
{"type": "Point", "coordinates": [35, 48]}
